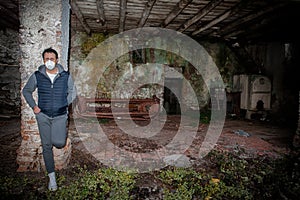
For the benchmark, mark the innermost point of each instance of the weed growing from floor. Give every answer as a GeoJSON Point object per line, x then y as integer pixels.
{"type": "Point", "coordinates": [105, 183]}
{"type": "Point", "coordinates": [223, 176]}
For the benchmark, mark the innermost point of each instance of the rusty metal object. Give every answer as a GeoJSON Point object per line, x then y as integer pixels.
{"type": "Point", "coordinates": [139, 109]}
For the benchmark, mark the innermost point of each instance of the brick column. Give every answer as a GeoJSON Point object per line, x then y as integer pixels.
{"type": "Point", "coordinates": [43, 24]}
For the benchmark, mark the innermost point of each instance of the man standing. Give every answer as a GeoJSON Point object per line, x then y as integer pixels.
{"type": "Point", "coordinates": [56, 91]}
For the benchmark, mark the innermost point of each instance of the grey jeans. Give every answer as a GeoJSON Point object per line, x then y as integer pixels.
{"type": "Point", "coordinates": [53, 132]}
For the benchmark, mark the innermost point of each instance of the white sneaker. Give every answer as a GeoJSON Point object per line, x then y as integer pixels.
{"type": "Point", "coordinates": [52, 182]}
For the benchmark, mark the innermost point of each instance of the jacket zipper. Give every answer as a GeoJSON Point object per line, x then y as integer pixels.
{"type": "Point", "coordinates": [52, 92]}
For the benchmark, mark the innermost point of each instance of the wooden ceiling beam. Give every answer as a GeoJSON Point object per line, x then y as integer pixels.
{"type": "Point", "coordinates": [100, 9]}
{"type": "Point", "coordinates": [256, 30]}
{"type": "Point", "coordinates": [213, 22]}
{"type": "Point", "coordinates": [200, 14]}
{"type": "Point", "coordinates": [79, 16]}
{"type": "Point", "coordinates": [176, 11]}
{"type": "Point", "coordinates": [245, 19]}
{"type": "Point", "coordinates": [123, 8]}
{"type": "Point", "coordinates": [215, 19]}
{"type": "Point", "coordinates": [223, 16]}
{"type": "Point", "coordinates": [148, 7]}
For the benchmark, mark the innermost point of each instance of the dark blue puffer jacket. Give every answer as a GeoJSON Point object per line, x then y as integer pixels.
{"type": "Point", "coordinates": [53, 97]}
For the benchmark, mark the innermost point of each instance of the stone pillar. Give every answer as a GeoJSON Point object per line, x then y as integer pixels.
{"type": "Point", "coordinates": [43, 24]}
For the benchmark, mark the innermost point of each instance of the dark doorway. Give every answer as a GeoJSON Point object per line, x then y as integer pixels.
{"type": "Point", "coordinates": [172, 95]}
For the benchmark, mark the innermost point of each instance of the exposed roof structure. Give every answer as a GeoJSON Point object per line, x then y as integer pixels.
{"type": "Point", "coordinates": [230, 20]}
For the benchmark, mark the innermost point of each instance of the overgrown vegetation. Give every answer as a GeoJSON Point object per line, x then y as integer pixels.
{"type": "Point", "coordinates": [223, 175]}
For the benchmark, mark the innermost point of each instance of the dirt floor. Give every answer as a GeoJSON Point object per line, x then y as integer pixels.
{"type": "Point", "coordinates": [253, 137]}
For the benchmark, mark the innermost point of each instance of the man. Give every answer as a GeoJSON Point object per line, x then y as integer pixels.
{"type": "Point", "coordinates": [56, 91]}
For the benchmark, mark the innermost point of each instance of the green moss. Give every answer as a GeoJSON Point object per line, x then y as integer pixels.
{"type": "Point", "coordinates": [92, 42]}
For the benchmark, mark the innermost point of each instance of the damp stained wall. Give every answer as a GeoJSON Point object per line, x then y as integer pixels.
{"type": "Point", "coordinates": [96, 70]}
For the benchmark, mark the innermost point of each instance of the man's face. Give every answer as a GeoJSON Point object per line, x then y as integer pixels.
{"type": "Point", "coordinates": [50, 56]}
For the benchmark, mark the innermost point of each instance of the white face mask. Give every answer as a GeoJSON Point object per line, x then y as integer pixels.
{"type": "Point", "coordinates": [50, 64]}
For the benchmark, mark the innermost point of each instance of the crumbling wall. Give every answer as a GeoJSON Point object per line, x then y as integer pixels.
{"type": "Point", "coordinates": [9, 73]}
{"type": "Point", "coordinates": [84, 66]}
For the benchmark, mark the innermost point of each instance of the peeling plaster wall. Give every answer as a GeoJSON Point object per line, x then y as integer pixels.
{"type": "Point", "coordinates": [268, 59]}
{"type": "Point", "coordinates": [94, 72]}
{"type": "Point", "coordinates": [98, 73]}
{"type": "Point", "coordinates": [40, 27]}
{"type": "Point", "coordinates": [127, 79]}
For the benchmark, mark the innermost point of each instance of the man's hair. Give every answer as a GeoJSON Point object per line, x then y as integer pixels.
{"type": "Point", "coordinates": [50, 50]}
